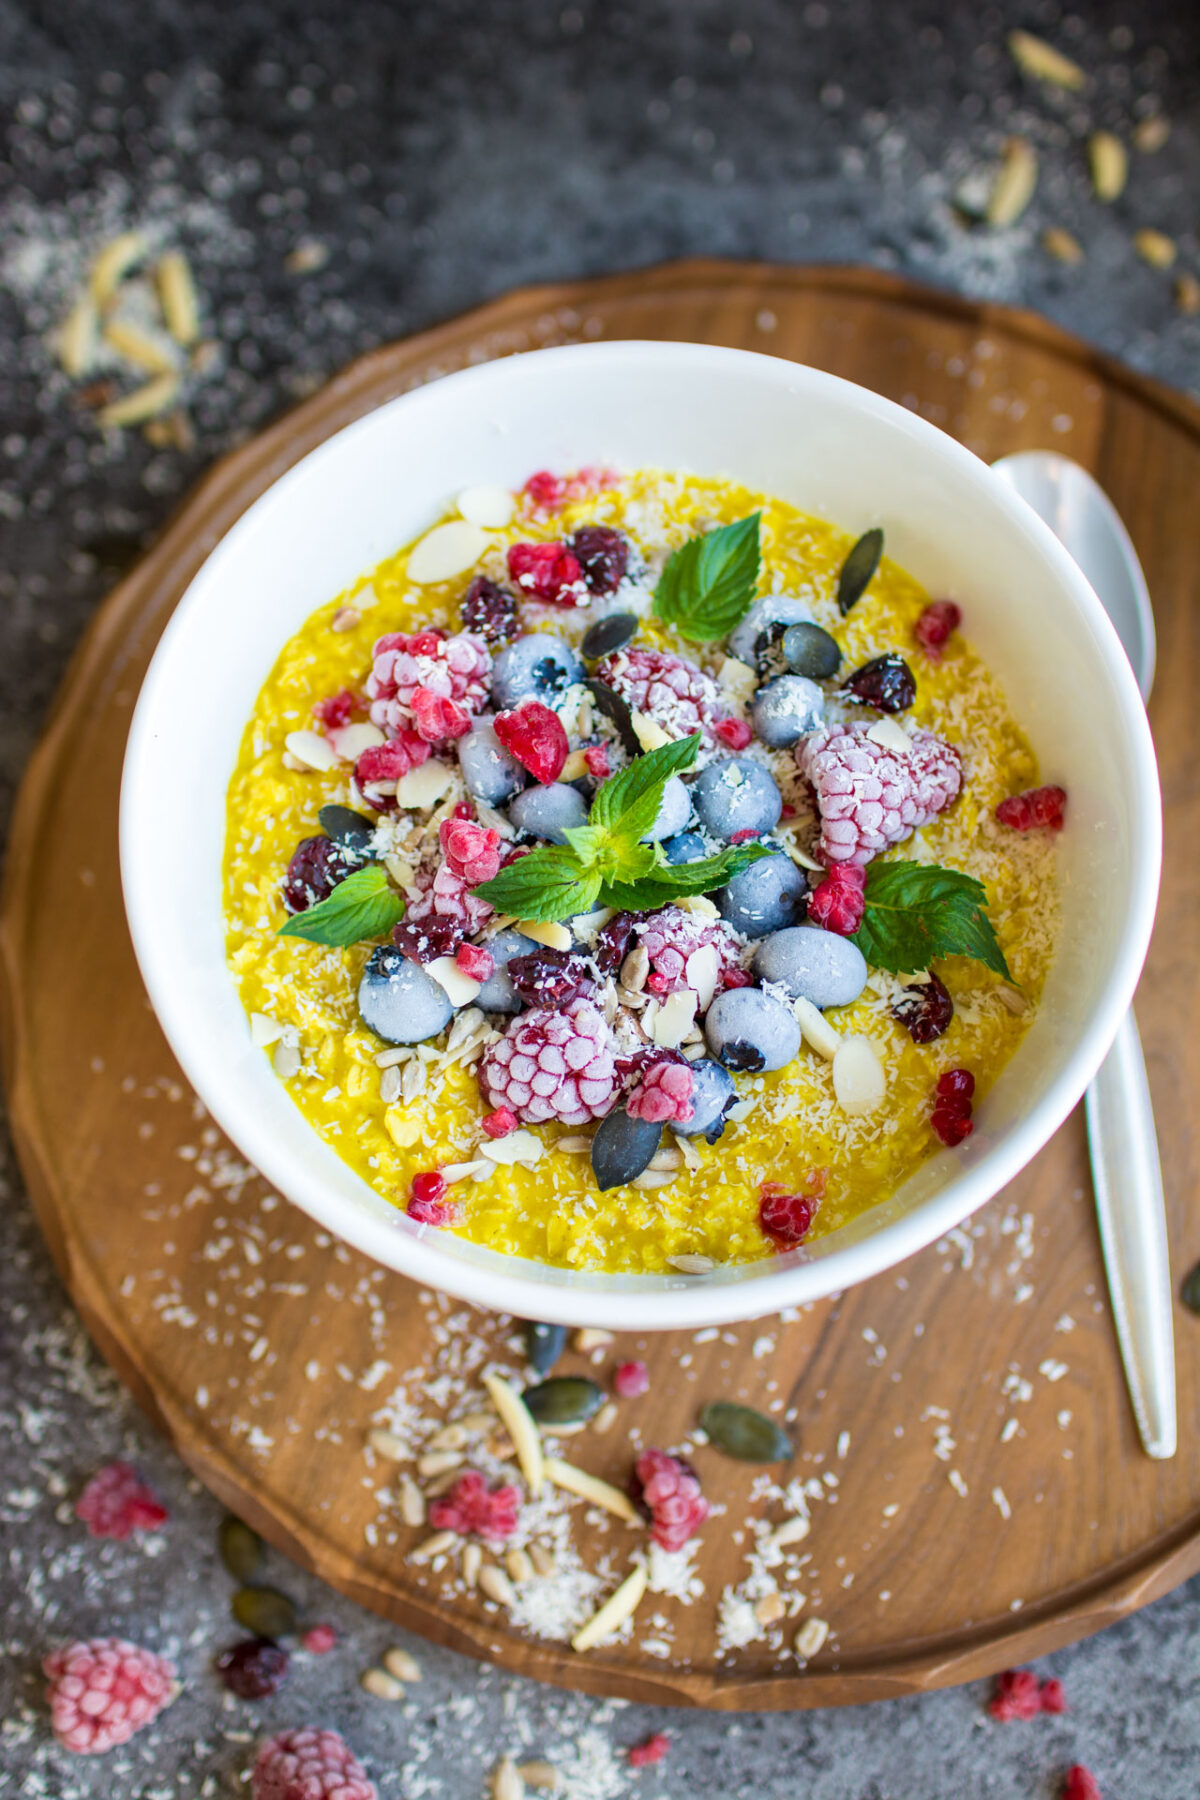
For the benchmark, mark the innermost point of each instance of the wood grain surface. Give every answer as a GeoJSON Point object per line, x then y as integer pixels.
{"type": "Point", "coordinates": [951, 1542]}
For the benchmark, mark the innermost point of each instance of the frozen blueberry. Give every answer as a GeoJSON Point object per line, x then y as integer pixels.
{"type": "Point", "coordinates": [813, 965]}
{"type": "Point", "coordinates": [673, 814]}
{"type": "Point", "coordinates": [712, 1092]}
{"type": "Point", "coordinates": [786, 709]}
{"type": "Point", "coordinates": [766, 897]}
{"type": "Point", "coordinates": [689, 846]}
{"type": "Point", "coordinates": [537, 667]}
{"type": "Point", "coordinates": [498, 995]}
{"type": "Point", "coordinates": [772, 609]}
{"type": "Point", "coordinates": [807, 650]}
{"type": "Point", "coordinates": [622, 1148]}
{"type": "Point", "coordinates": [399, 1001]}
{"type": "Point", "coordinates": [491, 774]}
{"type": "Point", "coordinates": [734, 795]}
{"type": "Point", "coordinates": [747, 1029]}
{"type": "Point", "coordinates": [352, 830]}
{"type": "Point", "coordinates": [549, 812]}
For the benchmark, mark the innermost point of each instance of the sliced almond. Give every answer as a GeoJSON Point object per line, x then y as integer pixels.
{"type": "Point", "coordinates": [1060, 244]}
{"type": "Point", "coordinates": [737, 679]}
{"type": "Point", "coordinates": [674, 1017]}
{"type": "Point", "coordinates": [590, 1487]}
{"type": "Point", "coordinates": [313, 750]}
{"type": "Point", "coordinates": [545, 931]}
{"type": "Point", "coordinates": [650, 735]}
{"type": "Point", "coordinates": [664, 1161]}
{"type": "Point", "coordinates": [515, 1416]}
{"type": "Point", "coordinates": [811, 1637]}
{"type": "Point", "coordinates": [264, 1031]}
{"type": "Point", "coordinates": [495, 1584]}
{"type": "Point", "coordinates": [1151, 134]}
{"type": "Point", "coordinates": [518, 1146]}
{"type": "Point", "coordinates": [145, 402]}
{"type": "Point", "coordinates": [446, 551]}
{"type": "Point", "coordinates": [349, 741]}
{"type": "Point", "coordinates": [858, 1078]}
{"type": "Point", "coordinates": [702, 970]}
{"type": "Point", "coordinates": [413, 1082]}
{"type": "Point", "coordinates": [816, 1030]}
{"type": "Point", "coordinates": [1109, 163]}
{"type": "Point", "coordinates": [1155, 247]}
{"type": "Point", "coordinates": [1014, 184]}
{"type": "Point", "coordinates": [177, 296]}
{"type": "Point", "coordinates": [399, 1663]}
{"type": "Point", "coordinates": [700, 906]}
{"type": "Point", "coordinates": [412, 1502]}
{"type": "Point", "coordinates": [403, 1132]}
{"type": "Point", "coordinates": [1034, 56]}
{"type": "Point", "coordinates": [459, 989]}
{"type": "Point", "coordinates": [685, 1146]}
{"type": "Point", "coordinates": [616, 1609]}
{"type": "Point", "coordinates": [506, 1781]}
{"type": "Point", "coordinates": [285, 1060]}
{"type": "Point", "coordinates": [488, 507]}
{"type": "Point", "coordinates": [114, 263]}
{"type": "Point", "coordinates": [425, 786]}
{"type": "Point", "coordinates": [891, 736]}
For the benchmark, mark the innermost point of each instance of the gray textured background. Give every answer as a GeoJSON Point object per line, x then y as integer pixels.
{"type": "Point", "coordinates": [444, 154]}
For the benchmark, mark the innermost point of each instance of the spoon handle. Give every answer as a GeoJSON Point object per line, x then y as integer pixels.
{"type": "Point", "coordinates": [1133, 1233]}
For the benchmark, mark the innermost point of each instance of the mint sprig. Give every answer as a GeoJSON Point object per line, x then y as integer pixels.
{"type": "Point", "coordinates": [915, 912]}
{"type": "Point", "coordinates": [361, 906]}
{"type": "Point", "coordinates": [709, 583]}
{"type": "Point", "coordinates": [605, 862]}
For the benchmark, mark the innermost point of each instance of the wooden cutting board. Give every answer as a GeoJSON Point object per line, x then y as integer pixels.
{"type": "Point", "coordinates": [965, 1416]}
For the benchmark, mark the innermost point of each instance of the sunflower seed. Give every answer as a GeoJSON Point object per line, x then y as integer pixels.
{"type": "Point", "coordinates": [386, 1443]}
{"type": "Point", "coordinates": [745, 1434]}
{"type": "Point", "coordinates": [141, 348]}
{"type": "Point", "coordinates": [690, 1263]}
{"type": "Point", "coordinates": [518, 1564]}
{"type": "Point", "coordinates": [1109, 163]}
{"type": "Point", "coordinates": [412, 1502]}
{"type": "Point", "coordinates": [495, 1584]}
{"type": "Point", "coordinates": [1034, 56]}
{"type": "Point", "coordinates": [1014, 184]}
{"type": "Point", "coordinates": [438, 1462]}
{"type": "Point", "coordinates": [575, 1144]}
{"type": "Point", "coordinates": [145, 402]}
{"type": "Point", "coordinates": [1013, 999]}
{"type": "Point", "coordinates": [1187, 294]}
{"type": "Point", "coordinates": [113, 264]}
{"type": "Point", "coordinates": [472, 1562]}
{"type": "Point", "coordinates": [77, 337]}
{"type": "Point", "coordinates": [437, 1545]}
{"type": "Point", "coordinates": [539, 1775]}
{"type": "Point", "coordinates": [399, 1663]}
{"type": "Point", "coordinates": [1155, 247]}
{"type": "Point", "coordinates": [606, 1418]}
{"type": "Point", "coordinates": [858, 569]}
{"type": "Point", "coordinates": [413, 1080]}
{"type": "Point", "coordinates": [635, 969]}
{"type": "Point", "coordinates": [810, 1638]}
{"type": "Point", "coordinates": [177, 296]}
{"type": "Point", "coordinates": [381, 1685]}
{"type": "Point", "coordinates": [390, 1083]}
{"type": "Point", "coordinates": [1151, 134]}
{"type": "Point", "coordinates": [792, 1531]}
{"type": "Point", "coordinates": [1061, 245]}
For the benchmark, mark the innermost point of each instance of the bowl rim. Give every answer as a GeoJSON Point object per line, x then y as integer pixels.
{"type": "Point", "coordinates": [528, 1289]}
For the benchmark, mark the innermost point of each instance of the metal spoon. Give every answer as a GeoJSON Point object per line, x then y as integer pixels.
{"type": "Point", "coordinates": [1126, 1173]}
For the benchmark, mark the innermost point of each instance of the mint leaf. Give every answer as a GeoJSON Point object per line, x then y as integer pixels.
{"type": "Point", "coordinates": [624, 801]}
{"type": "Point", "coordinates": [918, 911]}
{"type": "Point", "coordinates": [670, 882]}
{"type": "Point", "coordinates": [710, 582]}
{"type": "Point", "coordinates": [549, 883]}
{"type": "Point", "coordinates": [362, 906]}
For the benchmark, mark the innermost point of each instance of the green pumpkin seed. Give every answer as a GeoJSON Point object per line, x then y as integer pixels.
{"type": "Point", "coordinates": [264, 1611]}
{"type": "Point", "coordinates": [241, 1549]}
{"type": "Point", "coordinates": [858, 569]}
{"type": "Point", "coordinates": [1189, 1293]}
{"type": "Point", "coordinates": [744, 1433]}
{"type": "Point", "coordinates": [564, 1400]}
{"type": "Point", "coordinates": [544, 1344]}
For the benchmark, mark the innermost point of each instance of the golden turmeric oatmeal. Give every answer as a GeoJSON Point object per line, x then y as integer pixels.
{"type": "Point", "coordinates": [602, 873]}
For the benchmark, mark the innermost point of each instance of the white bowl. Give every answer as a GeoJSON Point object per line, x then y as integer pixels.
{"type": "Point", "coordinates": [831, 448]}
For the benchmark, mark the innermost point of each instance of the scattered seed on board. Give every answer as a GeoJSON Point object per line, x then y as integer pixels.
{"type": "Point", "coordinates": [472, 1562]}
{"type": "Point", "coordinates": [591, 1337]}
{"type": "Point", "coordinates": [1187, 294]}
{"type": "Point", "coordinates": [412, 1502]}
{"type": "Point", "coordinates": [382, 1685]}
{"type": "Point", "coordinates": [1059, 244]}
{"type": "Point", "coordinates": [386, 1443]}
{"type": "Point", "coordinates": [441, 1484]}
{"type": "Point", "coordinates": [450, 1437]}
{"type": "Point", "coordinates": [519, 1565]}
{"type": "Point", "coordinates": [542, 1560]}
{"type": "Point", "coordinates": [1155, 247]}
{"type": "Point", "coordinates": [539, 1775]}
{"type": "Point", "coordinates": [1014, 184]}
{"type": "Point", "coordinates": [399, 1663]}
{"type": "Point", "coordinates": [770, 1609]}
{"type": "Point", "coordinates": [1151, 134]}
{"type": "Point", "coordinates": [606, 1418]}
{"type": "Point", "coordinates": [1035, 57]}
{"type": "Point", "coordinates": [1109, 163]}
{"type": "Point", "coordinates": [506, 1782]}
{"type": "Point", "coordinates": [810, 1638]}
{"type": "Point", "coordinates": [792, 1531]}
{"type": "Point", "coordinates": [437, 1545]}
{"type": "Point", "coordinates": [438, 1462]}
{"type": "Point", "coordinates": [495, 1584]}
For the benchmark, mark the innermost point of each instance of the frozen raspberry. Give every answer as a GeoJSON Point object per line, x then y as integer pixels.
{"type": "Point", "coordinates": [596, 758]}
{"type": "Point", "coordinates": [550, 978]}
{"type": "Point", "coordinates": [787, 1218]}
{"type": "Point", "coordinates": [631, 1380]}
{"type": "Point", "coordinates": [309, 1764]}
{"type": "Point", "coordinates": [426, 940]}
{"type": "Point", "coordinates": [681, 945]}
{"type": "Point", "coordinates": [602, 555]}
{"type": "Point", "coordinates": [103, 1690]}
{"type": "Point", "coordinates": [536, 737]}
{"type": "Point", "coordinates": [438, 720]}
{"type": "Point", "coordinates": [554, 1065]}
{"type": "Point", "coordinates": [116, 1502]}
{"type": "Point", "coordinates": [645, 1755]}
{"type": "Point", "coordinates": [1020, 1695]}
{"type": "Point", "coordinates": [672, 1492]}
{"type": "Point", "coordinates": [498, 1124]}
{"type": "Point", "coordinates": [870, 797]}
{"type": "Point", "coordinates": [474, 1510]}
{"type": "Point", "coordinates": [546, 490]}
{"type": "Point", "coordinates": [734, 732]}
{"type": "Point", "coordinates": [337, 709]}
{"type": "Point", "coordinates": [1080, 1784]}
{"type": "Point", "coordinates": [667, 688]}
{"type": "Point", "coordinates": [549, 573]}
{"type": "Point", "coordinates": [388, 762]}
{"type": "Point", "coordinates": [664, 1094]}
{"type": "Point", "coordinates": [1053, 1696]}
{"type": "Point", "coordinates": [951, 1116]}
{"type": "Point", "coordinates": [475, 962]}
{"type": "Point", "coordinates": [489, 611]}
{"type": "Point", "coordinates": [317, 866]}
{"type": "Point", "coordinates": [1044, 806]}
{"type": "Point", "coordinates": [925, 1010]}
{"type": "Point", "coordinates": [456, 668]}
{"type": "Point", "coordinates": [254, 1668]}
{"type": "Point", "coordinates": [319, 1640]}
{"type": "Point", "coordinates": [838, 902]}
{"type": "Point", "coordinates": [934, 627]}
{"type": "Point", "coordinates": [471, 851]}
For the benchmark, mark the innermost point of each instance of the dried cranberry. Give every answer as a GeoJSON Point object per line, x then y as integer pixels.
{"type": "Point", "coordinates": [536, 737]}
{"type": "Point", "coordinates": [1044, 806]}
{"type": "Point", "coordinates": [957, 1085]}
{"type": "Point", "coordinates": [602, 554]}
{"type": "Point", "coordinates": [886, 683]}
{"type": "Point", "coordinates": [253, 1669]}
{"type": "Point", "coordinates": [645, 1755]}
{"type": "Point", "coordinates": [935, 625]}
{"type": "Point", "coordinates": [613, 941]}
{"type": "Point", "coordinates": [1020, 1695]}
{"type": "Point", "coordinates": [316, 868]}
{"type": "Point", "coordinates": [490, 610]}
{"type": "Point", "coordinates": [551, 978]}
{"type": "Point", "coordinates": [950, 1126]}
{"type": "Point", "coordinates": [925, 1010]}
{"type": "Point", "coordinates": [424, 940]}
